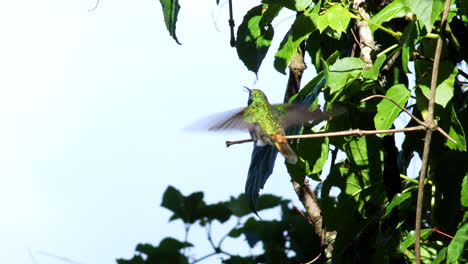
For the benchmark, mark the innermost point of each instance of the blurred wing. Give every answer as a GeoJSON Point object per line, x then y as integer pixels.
{"type": "Point", "coordinates": [230, 120]}
{"type": "Point", "coordinates": [294, 114]}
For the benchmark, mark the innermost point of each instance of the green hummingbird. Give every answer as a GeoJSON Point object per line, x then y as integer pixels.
{"type": "Point", "coordinates": [267, 123]}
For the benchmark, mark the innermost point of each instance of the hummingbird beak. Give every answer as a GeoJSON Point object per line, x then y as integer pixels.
{"type": "Point", "coordinates": [250, 92]}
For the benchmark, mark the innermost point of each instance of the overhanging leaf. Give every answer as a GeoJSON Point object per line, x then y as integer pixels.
{"type": "Point", "coordinates": [255, 34]}
{"type": "Point", "coordinates": [170, 11]}
{"type": "Point", "coordinates": [341, 71]}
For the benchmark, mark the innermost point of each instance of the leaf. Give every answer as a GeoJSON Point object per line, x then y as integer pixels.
{"type": "Point", "coordinates": [255, 34]}
{"type": "Point", "coordinates": [410, 239]}
{"type": "Point", "coordinates": [387, 111]}
{"type": "Point", "coordinates": [170, 11]}
{"type": "Point", "coordinates": [295, 5]}
{"type": "Point", "coordinates": [341, 71]}
{"type": "Point", "coordinates": [397, 8]}
{"type": "Point", "coordinates": [338, 18]}
{"type": "Point", "coordinates": [373, 73]}
{"type": "Point", "coordinates": [440, 256]}
{"type": "Point", "coordinates": [239, 260]}
{"type": "Point", "coordinates": [456, 132]}
{"type": "Point", "coordinates": [217, 211]}
{"type": "Point", "coordinates": [407, 42]}
{"type": "Point", "coordinates": [458, 245]}
{"type": "Point", "coordinates": [188, 209]}
{"type": "Point", "coordinates": [426, 11]}
{"type": "Point", "coordinates": [464, 192]}
{"type": "Point", "coordinates": [300, 29]}
{"type": "Point", "coordinates": [397, 199]}
{"type": "Point", "coordinates": [444, 91]}
{"type": "Point", "coordinates": [315, 153]}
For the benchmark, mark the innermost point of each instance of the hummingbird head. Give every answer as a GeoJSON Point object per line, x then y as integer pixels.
{"type": "Point", "coordinates": [255, 95]}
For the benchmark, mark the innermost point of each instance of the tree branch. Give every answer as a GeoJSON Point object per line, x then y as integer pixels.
{"type": "Point", "coordinates": [353, 132]}
{"type": "Point", "coordinates": [427, 140]}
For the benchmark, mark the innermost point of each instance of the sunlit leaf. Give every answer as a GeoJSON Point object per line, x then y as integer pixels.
{"type": "Point", "coordinates": [387, 111]}
{"type": "Point", "coordinates": [458, 244]}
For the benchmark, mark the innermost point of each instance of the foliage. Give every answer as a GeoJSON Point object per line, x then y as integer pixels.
{"type": "Point", "coordinates": [287, 240]}
{"type": "Point", "coordinates": [372, 218]}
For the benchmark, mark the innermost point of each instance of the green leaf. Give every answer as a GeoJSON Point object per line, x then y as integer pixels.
{"type": "Point", "coordinates": [440, 256]}
{"type": "Point", "coordinates": [342, 71]}
{"type": "Point", "coordinates": [407, 42]}
{"type": "Point", "coordinates": [217, 211]}
{"type": "Point", "coordinates": [426, 11]}
{"type": "Point", "coordinates": [397, 8]}
{"type": "Point", "coordinates": [464, 192]}
{"type": "Point", "coordinates": [338, 18]}
{"type": "Point", "coordinates": [410, 239]}
{"type": "Point", "coordinates": [459, 244]}
{"type": "Point", "coordinates": [456, 132]}
{"type": "Point", "coordinates": [295, 5]}
{"type": "Point", "coordinates": [397, 199]}
{"type": "Point", "coordinates": [300, 29]}
{"type": "Point", "coordinates": [445, 89]}
{"type": "Point", "coordinates": [373, 73]}
{"type": "Point", "coordinates": [255, 34]}
{"type": "Point", "coordinates": [315, 153]}
{"type": "Point", "coordinates": [238, 206]}
{"type": "Point", "coordinates": [387, 111]}
{"type": "Point", "coordinates": [170, 11]}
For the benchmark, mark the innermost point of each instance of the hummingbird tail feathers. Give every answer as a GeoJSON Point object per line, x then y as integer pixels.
{"type": "Point", "coordinates": [281, 144]}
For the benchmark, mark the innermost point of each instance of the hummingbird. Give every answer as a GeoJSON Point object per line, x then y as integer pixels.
{"type": "Point", "coordinates": [267, 122]}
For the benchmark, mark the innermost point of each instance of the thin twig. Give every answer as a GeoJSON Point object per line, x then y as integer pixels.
{"type": "Point", "coordinates": [353, 132]}
{"type": "Point", "coordinates": [398, 105]}
{"type": "Point", "coordinates": [412, 116]}
{"type": "Point", "coordinates": [94, 8]}
{"type": "Point", "coordinates": [231, 25]}
{"type": "Point", "coordinates": [315, 259]}
{"type": "Point", "coordinates": [427, 140]}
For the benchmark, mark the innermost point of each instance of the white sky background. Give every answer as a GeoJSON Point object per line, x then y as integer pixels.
{"type": "Point", "coordinates": [93, 107]}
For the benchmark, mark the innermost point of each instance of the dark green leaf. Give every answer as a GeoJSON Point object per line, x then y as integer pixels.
{"type": "Point", "coordinates": [407, 42]}
{"type": "Point", "coordinates": [464, 192]}
{"type": "Point", "coordinates": [255, 34]}
{"type": "Point", "coordinates": [239, 260]}
{"type": "Point", "coordinates": [410, 239]}
{"type": "Point", "coordinates": [387, 111]}
{"type": "Point", "coordinates": [397, 199]}
{"type": "Point", "coordinates": [170, 11]}
{"type": "Point", "coordinates": [456, 132]}
{"type": "Point", "coordinates": [458, 245]}
{"type": "Point", "coordinates": [188, 209]}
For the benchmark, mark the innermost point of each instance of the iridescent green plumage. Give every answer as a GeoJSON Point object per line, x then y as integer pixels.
{"type": "Point", "coordinates": [266, 122]}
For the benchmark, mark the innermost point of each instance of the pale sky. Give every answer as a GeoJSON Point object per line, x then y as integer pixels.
{"type": "Point", "coordinates": [93, 107]}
